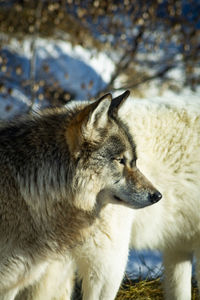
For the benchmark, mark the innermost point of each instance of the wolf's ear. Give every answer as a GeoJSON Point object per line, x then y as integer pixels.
{"type": "Point", "coordinates": [117, 102]}
{"type": "Point", "coordinates": [88, 125]}
{"type": "Point", "coordinates": [98, 116]}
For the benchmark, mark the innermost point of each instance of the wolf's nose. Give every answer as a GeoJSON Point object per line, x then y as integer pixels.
{"type": "Point", "coordinates": [155, 197]}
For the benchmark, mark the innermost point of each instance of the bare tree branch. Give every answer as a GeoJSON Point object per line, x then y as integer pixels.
{"type": "Point", "coordinates": [124, 61]}
{"type": "Point", "coordinates": [37, 24]}
{"type": "Point", "coordinates": [159, 74]}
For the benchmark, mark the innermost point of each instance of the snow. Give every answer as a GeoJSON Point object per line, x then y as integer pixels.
{"type": "Point", "coordinates": [81, 72]}
{"type": "Point", "coordinates": [84, 73]}
{"type": "Point", "coordinates": [79, 64]}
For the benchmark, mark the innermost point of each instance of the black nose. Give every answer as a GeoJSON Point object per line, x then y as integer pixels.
{"type": "Point", "coordinates": [155, 197]}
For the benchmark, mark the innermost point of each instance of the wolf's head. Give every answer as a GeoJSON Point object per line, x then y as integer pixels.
{"type": "Point", "coordinates": [105, 157]}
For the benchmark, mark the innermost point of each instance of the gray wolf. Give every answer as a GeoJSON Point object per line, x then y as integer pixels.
{"type": "Point", "coordinates": [68, 185]}
{"type": "Point", "coordinates": [167, 138]}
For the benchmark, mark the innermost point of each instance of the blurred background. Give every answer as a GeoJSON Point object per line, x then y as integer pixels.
{"type": "Point", "coordinates": [52, 52]}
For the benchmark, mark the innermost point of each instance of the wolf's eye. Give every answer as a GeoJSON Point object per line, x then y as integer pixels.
{"type": "Point", "coordinates": [122, 161]}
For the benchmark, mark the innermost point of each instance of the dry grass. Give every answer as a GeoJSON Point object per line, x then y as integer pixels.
{"type": "Point", "coordinates": [141, 290]}
{"type": "Point", "coordinates": [145, 290]}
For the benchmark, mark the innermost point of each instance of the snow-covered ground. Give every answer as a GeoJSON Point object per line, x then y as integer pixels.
{"type": "Point", "coordinates": [83, 73]}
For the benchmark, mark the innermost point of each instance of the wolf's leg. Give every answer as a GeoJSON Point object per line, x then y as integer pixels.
{"type": "Point", "coordinates": [101, 261]}
{"type": "Point", "coordinates": [102, 275]}
{"type": "Point", "coordinates": [55, 284]}
{"type": "Point", "coordinates": [9, 295]}
{"type": "Point", "coordinates": [178, 272]}
{"type": "Point", "coordinates": [197, 256]}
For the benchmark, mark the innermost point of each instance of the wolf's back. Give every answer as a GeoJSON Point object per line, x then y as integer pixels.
{"type": "Point", "coordinates": [32, 153]}
{"type": "Point", "coordinates": [167, 137]}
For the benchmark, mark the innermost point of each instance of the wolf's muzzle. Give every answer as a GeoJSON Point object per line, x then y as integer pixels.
{"type": "Point", "coordinates": [155, 197]}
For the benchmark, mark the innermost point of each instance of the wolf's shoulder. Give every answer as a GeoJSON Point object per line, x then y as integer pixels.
{"type": "Point", "coordinates": [163, 104]}
{"type": "Point", "coordinates": [162, 110]}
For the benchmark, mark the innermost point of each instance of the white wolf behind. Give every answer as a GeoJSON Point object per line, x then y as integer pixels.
{"type": "Point", "coordinates": [167, 138]}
